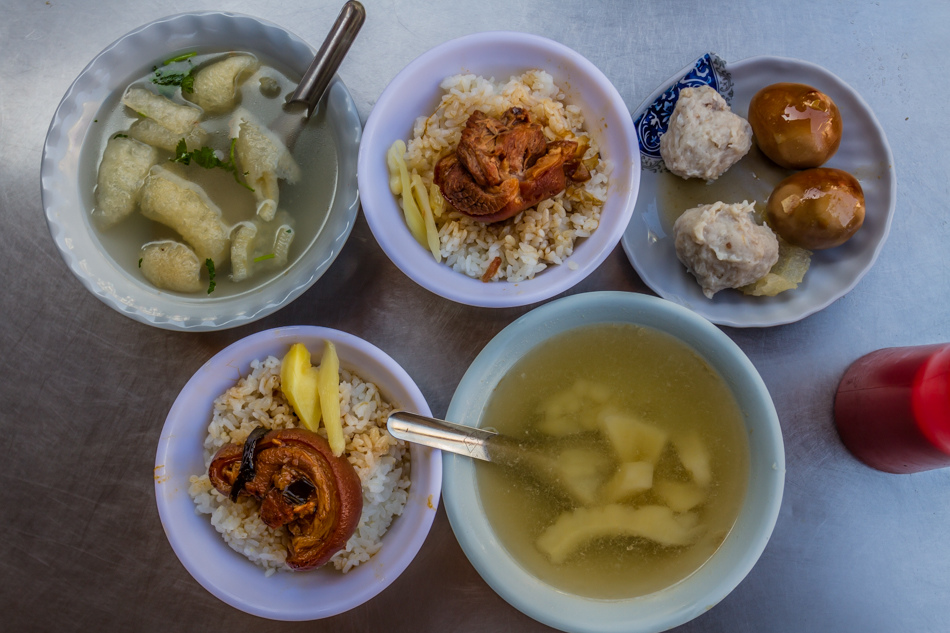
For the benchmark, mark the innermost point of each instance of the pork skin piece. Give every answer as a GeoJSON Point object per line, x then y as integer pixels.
{"type": "Point", "coordinates": [319, 524]}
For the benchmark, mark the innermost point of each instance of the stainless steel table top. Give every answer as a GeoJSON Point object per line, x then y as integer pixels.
{"type": "Point", "coordinates": [84, 391]}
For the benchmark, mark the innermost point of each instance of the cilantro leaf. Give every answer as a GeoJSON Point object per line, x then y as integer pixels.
{"type": "Point", "coordinates": [205, 157]}
{"type": "Point", "coordinates": [169, 77]}
{"type": "Point", "coordinates": [209, 264]}
{"type": "Point", "coordinates": [180, 58]}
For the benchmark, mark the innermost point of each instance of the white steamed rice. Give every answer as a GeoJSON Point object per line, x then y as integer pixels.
{"type": "Point", "coordinates": [538, 237]}
{"type": "Point", "coordinates": [381, 461]}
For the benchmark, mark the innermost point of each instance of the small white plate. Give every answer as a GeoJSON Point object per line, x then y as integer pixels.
{"type": "Point", "coordinates": [864, 152]}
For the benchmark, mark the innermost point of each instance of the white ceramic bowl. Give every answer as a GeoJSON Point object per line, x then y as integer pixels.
{"type": "Point", "coordinates": [415, 92]}
{"type": "Point", "coordinates": [68, 173]}
{"type": "Point", "coordinates": [721, 573]}
{"type": "Point", "coordinates": [227, 574]}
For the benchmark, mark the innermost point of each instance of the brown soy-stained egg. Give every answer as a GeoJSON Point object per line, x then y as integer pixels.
{"type": "Point", "coordinates": [817, 208]}
{"type": "Point", "coordinates": [795, 125]}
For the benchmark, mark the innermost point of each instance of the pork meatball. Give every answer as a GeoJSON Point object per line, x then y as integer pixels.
{"type": "Point", "coordinates": [704, 137]}
{"type": "Point", "coordinates": [721, 245]}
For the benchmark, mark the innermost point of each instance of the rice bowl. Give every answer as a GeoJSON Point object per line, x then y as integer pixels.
{"type": "Point", "coordinates": [227, 574]}
{"type": "Point", "coordinates": [381, 461]}
{"type": "Point", "coordinates": [496, 57]}
{"type": "Point", "coordinates": [543, 235]}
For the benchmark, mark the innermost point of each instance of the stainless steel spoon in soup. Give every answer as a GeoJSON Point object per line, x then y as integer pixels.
{"type": "Point", "coordinates": [316, 79]}
{"type": "Point", "coordinates": [539, 462]}
{"type": "Point", "coordinates": [448, 436]}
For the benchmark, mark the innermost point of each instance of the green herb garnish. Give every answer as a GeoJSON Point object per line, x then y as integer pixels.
{"type": "Point", "coordinates": [180, 58]}
{"type": "Point", "coordinates": [121, 135]}
{"type": "Point", "coordinates": [205, 157]}
{"type": "Point", "coordinates": [263, 257]}
{"type": "Point", "coordinates": [140, 261]}
{"type": "Point", "coordinates": [209, 264]}
{"type": "Point", "coordinates": [175, 78]}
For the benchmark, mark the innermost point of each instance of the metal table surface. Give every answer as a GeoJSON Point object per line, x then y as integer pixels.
{"type": "Point", "coordinates": [84, 391]}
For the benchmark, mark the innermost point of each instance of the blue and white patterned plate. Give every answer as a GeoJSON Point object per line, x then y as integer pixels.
{"type": "Point", "coordinates": [652, 121]}
{"type": "Point", "coordinates": [864, 152]}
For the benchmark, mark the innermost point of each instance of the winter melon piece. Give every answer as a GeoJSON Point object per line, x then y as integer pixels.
{"type": "Point", "coordinates": [631, 479]}
{"type": "Point", "coordinates": [694, 457]}
{"type": "Point", "coordinates": [575, 529]}
{"type": "Point", "coordinates": [632, 439]}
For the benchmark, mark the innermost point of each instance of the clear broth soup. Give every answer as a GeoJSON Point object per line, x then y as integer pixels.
{"type": "Point", "coordinates": [635, 371]}
{"type": "Point", "coordinates": [308, 201]}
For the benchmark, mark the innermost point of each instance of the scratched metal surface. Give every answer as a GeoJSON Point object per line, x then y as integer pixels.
{"type": "Point", "coordinates": [84, 391]}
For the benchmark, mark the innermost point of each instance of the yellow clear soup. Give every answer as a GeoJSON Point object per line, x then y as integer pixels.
{"type": "Point", "coordinates": [577, 393]}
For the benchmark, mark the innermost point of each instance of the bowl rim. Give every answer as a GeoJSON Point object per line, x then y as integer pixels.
{"type": "Point", "coordinates": [196, 543]}
{"type": "Point", "coordinates": [691, 596]}
{"type": "Point", "coordinates": [65, 210]}
{"type": "Point", "coordinates": [380, 207]}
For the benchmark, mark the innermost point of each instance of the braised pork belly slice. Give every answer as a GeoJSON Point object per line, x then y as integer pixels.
{"type": "Point", "coordinates": [504, 166]}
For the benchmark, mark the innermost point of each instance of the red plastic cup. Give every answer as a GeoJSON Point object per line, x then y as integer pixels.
{"type": "Point", "coordinates": [892, 408]}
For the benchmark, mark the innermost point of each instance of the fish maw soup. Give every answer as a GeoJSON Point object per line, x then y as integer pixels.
{"type": "Point", "coordinates": [633, 467]}
{"type": "Point", "coordinates": [188, 188]}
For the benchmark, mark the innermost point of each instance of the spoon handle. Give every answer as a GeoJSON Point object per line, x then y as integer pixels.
{"type": "Point", "coordinates": [315, 81]}
{"type": "Point", "coordinates": [445, 436]}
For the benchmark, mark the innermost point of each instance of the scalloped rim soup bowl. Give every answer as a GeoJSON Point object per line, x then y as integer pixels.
{"type": "Point", "coordinates": [68, 173]}
{"type": "Point", "coordinates": [416, 92]}
{"type": "Point", "coordinates": [711, 582]}
{"type": "Point", "coordinates": [306, 595]}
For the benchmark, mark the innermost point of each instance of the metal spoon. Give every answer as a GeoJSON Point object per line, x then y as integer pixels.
{"type": "Point", "coordinates": [334, 48]}
{"type": "Point", "coordinates": [316, 79]}
{"type": "Point", "coordinates": [482, 444]}
{"type": "Point", "coordinates": [445, 436]}
{"type": "Point", "coordinates": [488, 446]}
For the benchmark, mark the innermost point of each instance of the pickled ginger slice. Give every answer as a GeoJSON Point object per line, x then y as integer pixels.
{"type": "Point", "coordinates": [122, 172]}
{"type": "Point", "coordinates": [179, 119]}
{"type": "Point", "coordinates": [171, 266]}
{"type": "Point", "coordinates": [264, 160]}
{"type": "Point", "coordinates": [184, 206]}
{"type": "Point", "coordinates": [632, 439]}
{"type": "Point", "coordinates": [216, 85]}
{"type": "Point", "coordinates": [575, 529]}
{"type": "Point", "coordinates": [155, 134]}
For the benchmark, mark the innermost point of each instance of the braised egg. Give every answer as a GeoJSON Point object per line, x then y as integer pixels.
{"type": "Point", "coordinates": [816, 208]}
{"type": "Point", "coordinates": [795, 125]}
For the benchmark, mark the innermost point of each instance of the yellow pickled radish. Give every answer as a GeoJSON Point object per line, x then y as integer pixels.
{"type": "Point", "coordinates": [328, 386]}
{"type": "Point", "coordinates": [298, 382]}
